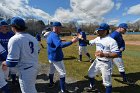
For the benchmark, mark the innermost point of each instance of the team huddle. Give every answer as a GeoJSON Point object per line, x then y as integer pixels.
{"type": "Point", "coordinates": [19, 55]}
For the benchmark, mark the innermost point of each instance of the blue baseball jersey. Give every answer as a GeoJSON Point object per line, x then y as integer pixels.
{"type": "Point", "coordinates": [119, 39]}
{"type": "Point", "coordinates": [81, 42]}
{"type": "Point", "coordinates": [55, 46]}
{"type": "Point", "coordinates": [4, 38]}
{"type": "Point", "coordinates": [38, 37]}
{"type": "Point", "coordinates": [3, 53]}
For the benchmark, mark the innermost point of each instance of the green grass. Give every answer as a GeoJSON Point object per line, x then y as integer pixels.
{"type": "Point", "coordinates": [77, 70]}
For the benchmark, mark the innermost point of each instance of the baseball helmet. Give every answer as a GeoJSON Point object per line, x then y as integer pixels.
{"type": "Point", "coordinates": [18, 22]}
{"type": "Point", "coordinates": [3, 23]}
{"type": "Point", "coordinates": [79, 30]}
{"type": "Point", "coordinates": [123, 25]}
{"type": "Point", "coordinates": [56, 24]}
{"type": "Point", "coordinates": [103, 26]}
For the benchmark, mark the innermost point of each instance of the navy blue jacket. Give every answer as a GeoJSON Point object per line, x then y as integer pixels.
{"type": "Point", "coordinates": [119, 39]}
{"type": "Point", "coordinates": [4, 39]}
{"type": "Point", "coordinates": [38, 37]}
{"type": "Point", "coordinates": [55, 46]}
{"type": "Point", "coordinates": [82, 42]}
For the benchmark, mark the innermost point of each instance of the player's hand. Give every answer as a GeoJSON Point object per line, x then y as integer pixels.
{"type": "Point", "coordinates": [74, 39]}
{"type": "Point", "coordinates": [99, 54]}
{"type": "Point", "coordinates": [63, 40]}
{"type": "Point", "coordinates": [121, 49]}
{"type": "Point", "coordinates": [4, 66]}
{"type": "Point", "coordinates": [80, 36]}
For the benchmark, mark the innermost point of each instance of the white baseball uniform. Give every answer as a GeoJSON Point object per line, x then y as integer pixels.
{"type": "Point", "coordinates": [103, 64]}
{"type": "Point", "coordinates": [46, 34]}
{"type": "Point", "coordinates": [23, 48]}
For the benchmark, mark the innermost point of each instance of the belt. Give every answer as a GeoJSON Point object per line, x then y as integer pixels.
{"type": "Point", "coordinates": [27, 67]}
{"type": "Point", "coordinates": [103, 60]}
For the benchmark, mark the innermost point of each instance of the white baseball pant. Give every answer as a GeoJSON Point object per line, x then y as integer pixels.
{"type": "Point", "coordinates": [27, 79]}
{"type": "Point", "coordinates": [59, 66]}
{"type": "Point", "coordinates": [104, 67]}
{"type": "Point", "coordinates": [82, 49]}
{"type": "Point", "coordinates": [119, 63]}
{"type": "Point", "coordinates": [2, 78]}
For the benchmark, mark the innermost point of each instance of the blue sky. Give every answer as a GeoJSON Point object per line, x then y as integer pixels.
{"type": "Point", "coordinates": [84, 11]}
{"type": "Point", "coordinates": [119, 13]}
{"type": "Point", "coordinates": [50, 6]}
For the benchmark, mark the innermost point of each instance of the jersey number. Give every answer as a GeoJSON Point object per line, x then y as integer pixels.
{"type": "Point", "coordinates": [31, 45]}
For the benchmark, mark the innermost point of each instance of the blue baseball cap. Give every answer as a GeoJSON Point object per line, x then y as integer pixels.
{"type": "Point", "coordinates": [18, 22]}
{"type": "Point", "coordinates": [56, 24]}
{"type": "Point", "coordinates": [3, 23]}
{"type": "Point", "coordinates": [103, 26]}
{"type": "Point", "coordinates": [79, 30]}
{"type": "Point", "coordinates": [123, 25]}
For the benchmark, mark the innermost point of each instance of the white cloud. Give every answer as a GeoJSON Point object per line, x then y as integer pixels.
{"type": "Point", "coordinates": [21, 8]}
{"type": "Point", "coordinates": [135, 10]}
{"type": "Point", "coordinates": [118, 5]}
{"type": "Point", "coordinates": [85, 10]}
{"type": "Point", "coordinates": [124, 14]}
{"type": "Point", "coordinates": [138, 19]}
{"type": "Point", "coordinates": [114, 21]}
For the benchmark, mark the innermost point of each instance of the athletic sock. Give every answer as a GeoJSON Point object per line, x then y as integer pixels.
{"type": "Point", "coordinates": [13, 76]}
{"type": "Point", "coordinates": [123, 76]}
{"type": "Point", "coordinates": [108, 89]}
{"type": "Point", "coordinates": [5, 89]}
{"type": "Point", "coordinates": [92, 82]}
{"type": "Point", "coordinates": [62, 84]}
{"type": "Point", "coordinates": [80, 57]}
{"type": "Point", "coordinates": [88, 55]}
{"type": "Point", "coordinates": [42, 46]}
{"type": "Point", "coordinates": [51, 78]}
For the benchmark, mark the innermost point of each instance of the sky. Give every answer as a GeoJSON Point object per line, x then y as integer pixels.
{"type": "Point", "coordinates": [80, 11]}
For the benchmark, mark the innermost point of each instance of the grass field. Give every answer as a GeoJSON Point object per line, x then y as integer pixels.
{"type": "Point", "coordinates": [78, 71]}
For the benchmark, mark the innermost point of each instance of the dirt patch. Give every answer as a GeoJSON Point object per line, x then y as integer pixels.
{"type": "Point", "coordinates": [132, 42]}
{"type": "Point", "coordinates": [42, 82]}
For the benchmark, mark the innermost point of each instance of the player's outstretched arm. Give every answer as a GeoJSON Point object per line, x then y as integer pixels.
{"type": "Point", "coordinates": [80, 37]}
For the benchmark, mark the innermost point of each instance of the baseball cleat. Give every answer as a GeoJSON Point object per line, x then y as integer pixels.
{"type": "Point", "coordinates": [79, 60]}
{"type": "Point", "coordinates": [66, 91]}
{"type": "Point", "coordinates": [128, 81]}
{"type": "Point", "coordinates": [51, 85]}
{"type": "Point", "coordinates": [91, 89]}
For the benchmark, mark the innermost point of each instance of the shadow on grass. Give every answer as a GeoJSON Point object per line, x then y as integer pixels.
{"type": "Point", "coordinates": [43, 76]}
{"type": "Point", "coordinates": [130, 88]}
{"type": "Point", "coordinates": [132, 76]}
{"type": "Point", "coordinates": [80, 85]}
{"type": "Point", "coordinates": [43, 88]}
{"type": "Point", "coordinates": [69, 58]}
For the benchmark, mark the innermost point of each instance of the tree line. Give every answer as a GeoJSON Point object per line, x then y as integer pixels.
{"type": "Point", "coordinates": [37, 26]}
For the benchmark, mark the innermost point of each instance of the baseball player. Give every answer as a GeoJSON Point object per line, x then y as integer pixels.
{"type": "Point", "coordinates": [117, 35]}
{"type": "Point", "coordinates": [3, 84]}
{"type": "Point", "coordinates": [23, 52]}
{"type": "Point", "coordinates": [106, 49]}
{"type": "Point", "coordinates": [5, 35]}
{"type": "Point", "coordinates": [82, 45]}
{"type": "Point", "coordinates": [38, 37]}
{"type": "Point", "coordinates": [55, 55]}
{"type": "Point", "coordinates": [46, 32]}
